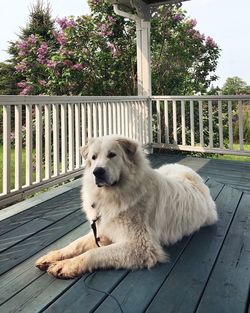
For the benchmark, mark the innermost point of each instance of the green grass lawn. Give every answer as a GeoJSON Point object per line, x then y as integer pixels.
{"type": "Point", "coordinates": [234, 157]}
{"type": "Point", "coordinates": [12, 166]}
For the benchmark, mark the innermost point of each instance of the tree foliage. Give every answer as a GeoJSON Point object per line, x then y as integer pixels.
{"type": "Point", "coordinates": [235, 86]}
{"type": "Point", "coordinates": [96, 54]}
{"type": "Point", "coordinates": [8, 79]}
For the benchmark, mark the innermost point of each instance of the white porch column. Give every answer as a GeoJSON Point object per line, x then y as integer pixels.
{"type": "Point", "coordinates": [143, 58]}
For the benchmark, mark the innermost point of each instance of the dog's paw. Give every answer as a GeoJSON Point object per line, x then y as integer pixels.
{"type": "Point", "coordinates": [65, 269]}
{"type": "Point", "coordinates": [45, 261]}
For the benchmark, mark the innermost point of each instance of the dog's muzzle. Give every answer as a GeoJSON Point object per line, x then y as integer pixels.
{"type": "Point", "coordinates": [101, 177]}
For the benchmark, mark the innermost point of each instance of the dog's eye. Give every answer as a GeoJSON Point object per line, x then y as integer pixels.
{"type": "Point", "coordinates": [111, 155]}
{"type": "Point", "coordinates": [94, 157]}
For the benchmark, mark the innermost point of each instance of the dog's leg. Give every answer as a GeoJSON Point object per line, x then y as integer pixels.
{"type": "Point", "coordinates": [75, 248]}
{"type": "Point", "coordinates": [118, 255]}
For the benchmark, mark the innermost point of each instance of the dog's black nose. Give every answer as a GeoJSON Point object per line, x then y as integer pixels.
{"type": "Point", "coordinates": [99, 172]}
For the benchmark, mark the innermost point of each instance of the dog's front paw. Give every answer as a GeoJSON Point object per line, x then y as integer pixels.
{"type": "Point", "coordinates": [45, 261]}
{"type": "Point", "coordinates": [65, 269]}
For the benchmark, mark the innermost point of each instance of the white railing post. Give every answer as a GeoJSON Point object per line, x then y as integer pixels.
{"type": "Point", "coordinates": [183, 123]}
{"type": "Point", "coordinates": [77, 134]}
{"type": "Point", "coordinates": [39, 130]}
{"type": "Point", "coordinates": [56, 140]}
{"type": "Point", "coordinates": [18, 147]}
{"type": "Point", "coordinates": [64, 137]}
{"type": "Point", "coordinates": [47, 113]}
{"type": "Point", "coordinates": [6, 149]}
{"type": "Point", "coordinates": [71, 135]}
{"type": "Point", "coordinates": [29, 165]}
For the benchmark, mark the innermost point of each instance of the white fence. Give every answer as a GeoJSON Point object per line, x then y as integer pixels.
{"type": "Point", "coordinates": [42, 135]}
{"type": "Point", "coordinates": [212, 124]}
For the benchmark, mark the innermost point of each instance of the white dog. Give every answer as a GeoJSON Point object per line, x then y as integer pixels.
{"type": "Point", "coordinates": [134, 210]}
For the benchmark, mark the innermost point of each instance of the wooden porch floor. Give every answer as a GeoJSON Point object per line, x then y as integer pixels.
{"type": "Point", "coordinates": [208, 272]}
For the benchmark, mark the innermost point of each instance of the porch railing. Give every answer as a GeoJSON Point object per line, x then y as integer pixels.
{"type": "Point", "coordinates": [211, 124]}
{"type": "Point", "coordinates": [42, 135]}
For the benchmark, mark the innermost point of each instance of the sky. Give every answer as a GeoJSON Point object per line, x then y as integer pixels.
{"type": "Point", "coordinates": [227, 21]}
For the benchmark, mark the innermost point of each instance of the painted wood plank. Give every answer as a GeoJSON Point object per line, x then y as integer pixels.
{"type": "Point", "coordinates": [18, 147]}
{"type": "Point", "coordinates": [21, 286]}
{"type": "Point", "coordinates": [183, 122]}
{"type": "Point", "coordinates": [215, 170]}
{"type": "Point", "coordinates": [240, 115]}
{"type": "Point", "coordinates": [55, 122]}
{"type": "Point", "coordinates": [190, 274]}
{"type": "Point", "coordinates": [174, 123]}
{"type": "Point", "coordinates": [47, 117]}
{"type": "Point", "coordinates": [192, 121]}
{"type": "Point", "coordinates": [138, 288]}
{"type": "Point", "coordinates": [100, 120]}
{"type": "Point", "coordinates": [64, 159]}
{"type": "Point", "coordinates": [6, 149]}
{"type": "Point", "coordinates": [11, 238]}
{"type": "Point", "coordinates": [220, 124]}
{"type": "Point", "coordinates": [228, 286]}
{"type": "Point", "coordinates": [15, 255]}
{"type": "Point", "coordinates": [70, 199]}
{"type": "Point", "coordinates": [81, 299]}
{"type": "Point", "coordinates": [32, 227]}
{"type": "Point", "coordinates": [29, 146]}
{"type": "Point", "coordinates": [201, 123]}
{"type": "Point", "coordinates": [166, 121]}
{"type": "Point", "coordinates": [84, 123]}
{"type": "Point", "coordinates": [39, 132]}
{"type": "Point", "coordinates": [214, 187]}
{"type": "Point", "coordinates": [71, 124]}
{"type": "Point", "coordinates": [230, 124]}
{"type": "Point", "coordinates": [158, 114]}
{"type": "Point", "coordinates": [77, 135]}
{"type": "Point", "coordinates": [210, 124]}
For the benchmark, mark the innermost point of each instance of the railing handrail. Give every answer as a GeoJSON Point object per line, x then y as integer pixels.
{"type": "Point", "coordinates": [224, 97]}
{"type": "Point", "coordinates": [10, 100]}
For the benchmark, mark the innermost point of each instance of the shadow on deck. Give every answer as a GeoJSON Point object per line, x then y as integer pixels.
{"type": "Point", "coordinates": [208, 272]}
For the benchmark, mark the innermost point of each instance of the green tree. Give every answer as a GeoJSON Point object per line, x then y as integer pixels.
{"type": "Point", "coordinates": [27, 53]}
{"type": "Point", "coordinates": [96, 54]}
{"type": "Point", "coordinates": [183, 59]}
{"type": "Point", "coordinates": [235, 86]}
{"type": "Point", "coordinates": [8, 79]}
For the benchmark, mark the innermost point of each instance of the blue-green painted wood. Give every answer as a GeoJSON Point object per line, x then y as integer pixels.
{"type": "Point", "coordinates": [138, 288]}
{"type": "Point", "coordinates": [25, 274]}
{"type": "Point", "coordinates": [183, 287]}
{"type": "Point", "coordinates": [84, 300]}
{"type": "Point", "coordinates": [49, 208]}
{"type": "Point", "coordinates": [228, 286]}
{"type": "Point", "coordinates": [28, 247]}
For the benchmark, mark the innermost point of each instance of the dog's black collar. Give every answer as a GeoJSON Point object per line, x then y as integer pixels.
{"type": "Point", "coordinates": [93, 226]}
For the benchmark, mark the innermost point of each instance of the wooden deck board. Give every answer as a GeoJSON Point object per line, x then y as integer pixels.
{"type": "Point", "coordinates": [208, 272]}
{"type": "Point", "coordinates": [223, 292]}
{"type": "Point", "coordinates": [71, 198]}
{"type": "Point", "coordinates": [28, 247]}
{"type": "Point", "coordinates": [190, 274]}
{"type": "Point", "coordinates": [21, 276]}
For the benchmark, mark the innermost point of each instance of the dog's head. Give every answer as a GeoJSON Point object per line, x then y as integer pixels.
{"type": "Point", "coordinates": [109, 159]}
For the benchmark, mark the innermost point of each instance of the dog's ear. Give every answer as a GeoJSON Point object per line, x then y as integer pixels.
{"type": "Point", "coordinates": [129, 146]}
{"type": "Point", "coordinates": [85, 149]}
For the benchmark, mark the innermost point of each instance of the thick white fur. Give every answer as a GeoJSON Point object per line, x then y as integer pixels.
{"type": "Point", "coordinates": [145, 210]}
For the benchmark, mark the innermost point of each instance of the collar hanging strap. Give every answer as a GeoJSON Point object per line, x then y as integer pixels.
{"type": "Point", "coordinates": [93, 226]}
